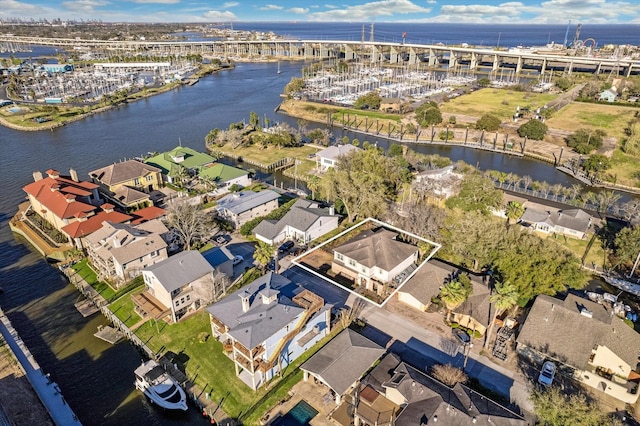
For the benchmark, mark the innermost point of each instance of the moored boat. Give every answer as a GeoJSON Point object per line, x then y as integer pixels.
{"type": "Point", "coordinates": [160, 387]}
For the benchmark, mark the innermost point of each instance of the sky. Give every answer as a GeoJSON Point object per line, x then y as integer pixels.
{"type": "Point", "coordinates": [418, 11]}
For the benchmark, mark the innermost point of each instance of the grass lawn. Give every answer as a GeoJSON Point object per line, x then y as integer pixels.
{"type": "Point", "coordinates": [123, 308]}
{"type": "Point", "coordinates": [303, 170]}
{"type": "Point", "coordinates": [625, 169]}
{"type": "Point", "coordinates": [578, 247]}
{"type": "Point", "coordinates": [268, 155]}
{"type": "Point", "coordinates": [500, 102]}
{"type": "Point", "coordinates": [577, 115]}
{"type": "Point", "coordinates": [84, 270]}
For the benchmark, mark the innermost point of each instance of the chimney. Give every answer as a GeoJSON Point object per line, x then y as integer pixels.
{"type": "Point", "coordinates": [74, 175]}
{"type": "Point", "coordinates": [107, 208]}
{"type": "Point", "coordinates": [70, 198]}
{"type": "Point", "coordinates": [37, 176]}
{"type": "Point", "coordinates": [54, 174]}
{"type": "Point", "coordinates": [245, 301]}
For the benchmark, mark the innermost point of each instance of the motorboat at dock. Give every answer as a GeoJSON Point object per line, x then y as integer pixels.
{"type": "Point", "coordinates": [160, 387]}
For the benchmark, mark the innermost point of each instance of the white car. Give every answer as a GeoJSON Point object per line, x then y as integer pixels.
{"type": "Point", "coordinates": [547, 373]}
{"type": "Point", "coordinates": [237, 259]}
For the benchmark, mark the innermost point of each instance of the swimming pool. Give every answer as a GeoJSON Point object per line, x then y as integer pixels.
{"type": "Point", "coordinates": [300, 415]}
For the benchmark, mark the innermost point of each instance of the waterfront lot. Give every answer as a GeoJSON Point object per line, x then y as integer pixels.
{"type": "Point", "coordinates": [499, 102]}
{"type": "Point", "coordinates": [612, 119]}
{"type": "Point", "coordinates": [267, 155]}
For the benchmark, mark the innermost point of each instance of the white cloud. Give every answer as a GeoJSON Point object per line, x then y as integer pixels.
{"type": "Point", "coordinates": [13, 5]}
{"type": "Point", "coordinates": [229, 4]}
{"type": "Point", "coordinates": [431, 2]}
{"type": "Point", "coordinates": [271, 7]}
{"type": "Point", "coordinates": [298, 10]}
{"type": "Point", "coordinates": [216, 15]}
{"type": "Point", "coordinates": [157, 1]}
{"type": "Point", "coordinates": [85, 6]}
{"type": "Point", "coordinates": [367, 11]}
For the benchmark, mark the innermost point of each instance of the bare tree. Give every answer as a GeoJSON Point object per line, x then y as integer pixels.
{"type": "Point", "coordinates": [212, 287]}
{"type": "Point", "coordinates": [448, 374]}
{"type": "Point", "coordinates": [190, 222]}
{"type": "Point", "coordinates": [348, 315]}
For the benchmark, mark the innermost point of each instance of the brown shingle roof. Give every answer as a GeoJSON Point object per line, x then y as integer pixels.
{"type": "Point", "coordinates": [123, 172]}
{"type": "Point", "coordinates": [377, 248]}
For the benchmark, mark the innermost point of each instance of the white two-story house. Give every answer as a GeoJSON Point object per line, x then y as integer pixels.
{"type": "Point", "coordinates": [267, 324]}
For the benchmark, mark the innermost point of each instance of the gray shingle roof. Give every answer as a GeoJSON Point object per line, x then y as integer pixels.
{"type": "Point", "coordinates": [575, 219]}
{"type": "Point", "coordinates": [301, 216]}
{"type": "Point", "coordinates": [240, 202]}
{"type": "Point", "coordinates": [179, 270]}
{"type": "Point", "coordinates": [135, 240]}
{"type": "Point", "coordinates": [377, 248]}
{"type": "Point", "coordinates": [123, 172]}
{"type": "Point", "coordinates": [262, 320]}
{"type": "Point", "coordinates": [557, 328]}
{"type": "Point", "coordinates": [342, 361]}
{"type": "Point", "coordinates": [427, 398]}
{"type": "Point", "coordinates": [426, 283]}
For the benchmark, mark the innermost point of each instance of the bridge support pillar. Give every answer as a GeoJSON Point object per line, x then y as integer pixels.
{"type": "Point", "coordinates": [543, 68]}
{"type": "Point", "coordinates": [599, 68]}
{"type": "Point", "coordinates": [496, 63]}
{"type": "Point", "coordinates": [413, 58]}
{"type": "Point", "coordinates": [453, 60]}
{"type": "Point", "coordinates": [348, 53]}
{"type": "Point", "coordinates": [393, 56]}
{"type": "Point", "coordinates": [433, 59]}
{"type": "Point", "coordinates": [519, 65]}
{"type": "Point", "coordinates": [570, 68]}
{"type": "Point", "coordinates": [627, 72]}
{"type": "Point", "coordinates": [374, 54]}
{"type": "Point", "coordinates": [474, 61]}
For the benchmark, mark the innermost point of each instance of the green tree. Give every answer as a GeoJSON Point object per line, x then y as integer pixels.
{"type": "Point", "coordinates": [505, 297]}
{"type": "Point", "coordinates": [254, 120]}
{"type": "Point", "coordinates": [428, 114]}
{"type": "Point", "coordinates": [488, 122]}
{"type": "Point", "coordinates": [211, 136]}
{"type": "Point", "coordinates": [563, 83]}
{"type": "Point", "coordinates": [453, 295]}
{"type": "Point", "coordinates": [627, 246]}
{"type": "Point", "coordinates": [262, 254]}
{"type": "Point", "coordinates": [477, 193]}
{"type": "Point", "coordinates": [484, 82]}
{"type": "Point", "coordinates": [596, 163]}
{"type": "Point", "coordinates": [514, 210]}
{"type": "Point", "coordinates": [369, 100]}
{"type": "Point", "coordinates": [365, 181]}
{"type": "Point", "coordinates": [395, 150]}
{"type": "Point", "coordinates": [554, 407]}
{"type": "Point", "coordinates": [533, 129]}
{"type": "Point", "coordinates": [294, 86]}
{"type": "Point", "coordinates": [584, 141]}
{"type": "Point", "coordinates": [313, 183]}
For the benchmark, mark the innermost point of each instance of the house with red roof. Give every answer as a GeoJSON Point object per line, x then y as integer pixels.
{"type": "Point", "coordinates": [77, 230]}
{"type": "Point", "coordinates": [62, 200]}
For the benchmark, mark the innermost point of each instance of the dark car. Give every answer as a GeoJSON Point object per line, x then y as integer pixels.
{"type": "Point", "coordinates": [462, 336]}
{"type": "Point", "coordinates": [286, 246]}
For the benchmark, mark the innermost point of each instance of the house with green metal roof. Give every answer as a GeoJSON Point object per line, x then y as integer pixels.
{"type": "Point", "coordinates": [172, 163]}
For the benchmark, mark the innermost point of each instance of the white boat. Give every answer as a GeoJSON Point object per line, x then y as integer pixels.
{"type": "Point", "coordinates": [160, 387]}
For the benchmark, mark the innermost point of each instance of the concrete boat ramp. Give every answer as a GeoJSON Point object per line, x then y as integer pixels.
{"type": "Point", "coordinates": [108, 334]}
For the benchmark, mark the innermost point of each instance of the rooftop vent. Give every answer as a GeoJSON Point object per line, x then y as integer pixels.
{"type": "Point", "coordinates": [587, 313]}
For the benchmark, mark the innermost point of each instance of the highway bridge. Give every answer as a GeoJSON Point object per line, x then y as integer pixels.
{"type": "Point", "coordinates": [434, 56]}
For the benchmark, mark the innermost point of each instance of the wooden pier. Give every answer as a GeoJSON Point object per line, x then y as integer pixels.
{"type": "Point", "coordinates": [108, 334]}
{"type": "Point", "coordinates": [86, 307]}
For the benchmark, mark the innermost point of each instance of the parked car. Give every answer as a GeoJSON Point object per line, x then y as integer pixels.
{"type": "Point", "coordinates": [237, 259]}
{"type": "Point", "coordinates": [547, 373]}
{"type": "Point", "coordinates": [286, 246]}
{"type": "Point", "coordinates": [461, 335]}
{"type": "Point", "coordinates": [220, 239]}
{"type": "Point", "coordinates": [272, 265]}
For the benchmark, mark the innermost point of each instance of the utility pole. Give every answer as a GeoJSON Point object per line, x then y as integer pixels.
{"type": "Point", "coordinates": [371, 35]}
{"type": "Point", "coordinates": [635, 265]}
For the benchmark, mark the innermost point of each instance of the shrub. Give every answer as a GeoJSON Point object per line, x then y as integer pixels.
{"type": "Point", "coordinates": [533, 129]}
{"type": "Point", "coordinates": [488, 122]}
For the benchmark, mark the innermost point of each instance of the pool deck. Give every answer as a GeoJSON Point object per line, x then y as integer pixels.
{"type": "Point", "coordinates": [316, 396]}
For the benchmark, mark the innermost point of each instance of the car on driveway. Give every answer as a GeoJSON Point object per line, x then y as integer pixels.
{"type": "Point", "coordinates": [286, 246]}
{"type": "Point", "coordinates": [461, 335]}
{"type": "Point", "coordinates": [221, 239]}
{"type": "Point", "coordinates": [547, 373]}
{"type": "Point", "coordinates": [237, 259]}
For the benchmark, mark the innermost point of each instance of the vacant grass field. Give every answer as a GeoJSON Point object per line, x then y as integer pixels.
{"type": "Point", "coordinates": [577, 115]}
{"type": "Point", "coordinates": [578, 247]}
{"type": "Point", "coordinates": [500, 102]}
{"type": "Point", "coordinates": [625, 169]}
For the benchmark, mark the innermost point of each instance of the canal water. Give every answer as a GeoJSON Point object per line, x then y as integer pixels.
{"type": "Point", "coordinates": [96, 378]}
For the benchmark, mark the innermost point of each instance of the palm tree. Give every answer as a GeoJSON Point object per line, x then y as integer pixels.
{"type": "Point", "coordinates": [527, 181]}
{"type": "Point", "coordinates": [211, 136]}
{"type": "Point", "coordinates": [453, 295]}
{"type": "Point", "coordinates": [262, 254]}
{"type": "Point", "coordinates": [514, 210]}
{"type": "Point", "coordinates": [505, 297]}
{"type": "Point", "coordinates": [606, 200]}
{"type": "Point", "coordinates": [557, 190]}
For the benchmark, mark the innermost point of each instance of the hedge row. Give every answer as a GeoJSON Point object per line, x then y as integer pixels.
{"type": "Point", "coordinates": [277, 214]}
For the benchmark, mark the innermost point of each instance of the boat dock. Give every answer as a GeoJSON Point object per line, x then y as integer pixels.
{"type": "Point", "coordinates": [108, 334]}
{"type": "Point", "coordinates": [86, 307]}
